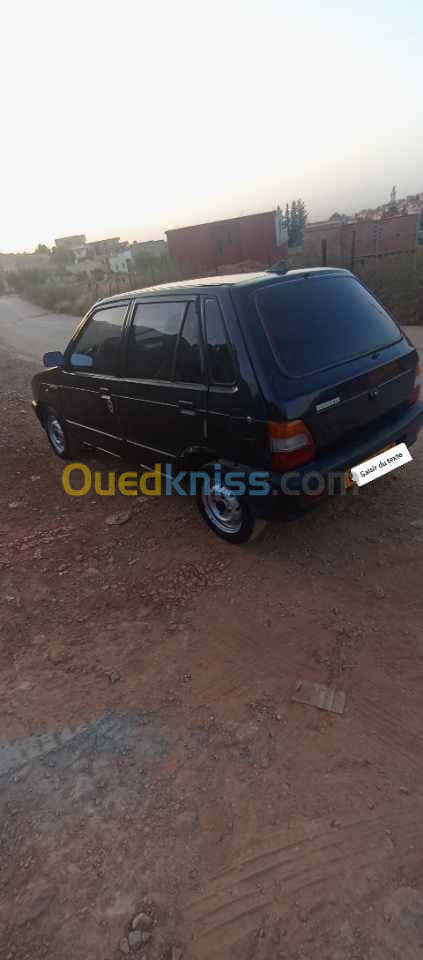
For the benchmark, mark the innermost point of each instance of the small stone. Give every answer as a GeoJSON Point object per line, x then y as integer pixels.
{"type": "Point", "coordinates": [135, 939]}
{"type": "Point", "coordinates": [34, 478]}
{"type": "Point", "coordinates": [124, 946]}
{"type": "Point", "coordinates": [114, 677]}
{"type": "Point", "coordinates": [118, 518]}
{"type": "Point", "coordinates": [380, 593]}
{"type": "Point", "coordinates": [142, 921]}
{"type": "Point", "coordinates": [404, 790]}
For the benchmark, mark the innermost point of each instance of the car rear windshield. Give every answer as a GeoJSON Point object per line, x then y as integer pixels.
{"type": "Point", "coordinates": [314, 323]}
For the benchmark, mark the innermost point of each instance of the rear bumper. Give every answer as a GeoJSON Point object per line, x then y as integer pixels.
{"type": "Point", "coordinates": [293, 491]}
{"type": "Point", "coordinates": [403, 429]}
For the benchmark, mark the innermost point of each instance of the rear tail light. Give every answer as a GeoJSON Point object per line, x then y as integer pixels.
{"type": "Point", "coordinates": [291, 443]}
{"type": "Point", "coordinates": [415, 393]}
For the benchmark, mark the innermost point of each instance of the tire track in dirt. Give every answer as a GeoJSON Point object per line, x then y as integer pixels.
{"type": "Point", "coordinates": [404, 745]}
{"type": "Point", "coordinates": [233, 897]}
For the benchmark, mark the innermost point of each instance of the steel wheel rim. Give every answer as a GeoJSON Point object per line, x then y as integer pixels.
{"type": "Point", "coordinates": [222, 508]}
{"type": "Point", "coordinates": [56, 434]}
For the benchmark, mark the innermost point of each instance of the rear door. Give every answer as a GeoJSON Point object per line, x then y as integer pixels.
{"type": "Point", "coordinates": [236, 411]}
{"type": "Point", "coordinates": [91, 379]}
{"type": "Point", "coordinates": [163, 397]}
{"type": "Point", "coordinates": [222, 373]}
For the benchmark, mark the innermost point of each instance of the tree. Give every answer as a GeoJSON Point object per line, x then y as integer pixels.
{"type": "Point", "coordinates": [42, 248]}
{"type": "Point", "coordinates": [287, 218]}
{"type": "Point", "coordinates": [301, 220]}
{"type": "Point", "coordinates": [295, 220]}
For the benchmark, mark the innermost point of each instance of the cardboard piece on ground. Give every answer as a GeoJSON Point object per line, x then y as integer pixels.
{"type": "Point", "coordinates": [317, 695]}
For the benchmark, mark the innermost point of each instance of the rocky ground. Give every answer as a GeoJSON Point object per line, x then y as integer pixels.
{"type": "Point", "coordinates": [152, 761]}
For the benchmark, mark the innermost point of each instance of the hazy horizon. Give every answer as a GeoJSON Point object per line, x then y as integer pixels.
{"type": "Point", "coordinates": [130, 121]}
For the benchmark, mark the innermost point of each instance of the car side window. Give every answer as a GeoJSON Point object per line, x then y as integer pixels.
{"type": "Point", "coordinates": [188, 354]}
{"type": "Point", "coordinates": [98, 348]}
{"type": "Point", "coordinates": [152, 339]}
{"type": "Point", "coordinates": [218, 347]}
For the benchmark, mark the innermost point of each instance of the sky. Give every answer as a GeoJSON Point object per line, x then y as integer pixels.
{"type": "Point", "coordinates": [127, 119]}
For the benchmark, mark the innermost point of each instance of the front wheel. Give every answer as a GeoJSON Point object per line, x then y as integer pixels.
{"type": "Point", "coordinates": [57, 434]}
{"type": "Point", "coordinates": [227, 514]}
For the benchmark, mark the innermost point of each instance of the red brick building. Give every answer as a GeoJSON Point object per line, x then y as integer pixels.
{"type": "Point", "coordinates": [336, 243]}
{"type": "Point", "coordinates": [209, 246]}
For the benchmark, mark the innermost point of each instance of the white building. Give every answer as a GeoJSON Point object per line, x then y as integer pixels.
{"type": "Point", "coordinates": [121, 261]}
{"type": "Point", "coordinates": [71, 243]}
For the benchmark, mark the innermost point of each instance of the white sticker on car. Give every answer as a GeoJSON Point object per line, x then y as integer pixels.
{"type": "Point", "coordinates": [381, 464]}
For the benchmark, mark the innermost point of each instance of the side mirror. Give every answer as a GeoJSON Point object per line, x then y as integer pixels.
{"type": "Point", "coordinates": [53, 359]}
{"type": "Point", "coordinates": [81, 360]}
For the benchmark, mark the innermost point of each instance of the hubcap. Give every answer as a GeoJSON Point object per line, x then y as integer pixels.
{"type": "Point", "coordinates": [55, 432]}
{"type": "Point", "coordinates": [222, 508]}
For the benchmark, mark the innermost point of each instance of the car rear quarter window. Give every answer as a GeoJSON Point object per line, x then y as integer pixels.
{"type": "Point", "coordinates": [218, 347]}
{"type": "Point", "coordinates": [188, 354]}
{"type": "Point", "coordinates": [97, 350]}
{"type": "Point", "coordinates": [314, 323]}
{"type": "Point", "coordinates": [152, 339]}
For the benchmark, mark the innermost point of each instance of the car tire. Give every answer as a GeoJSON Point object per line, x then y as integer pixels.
{"type": "Point", "coordinates": [57, 434]}
{"type": "Point", "coordinates": [228, 515]}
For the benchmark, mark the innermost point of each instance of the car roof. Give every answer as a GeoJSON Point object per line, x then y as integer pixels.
{"type": "Point", "coordinates": [239, 280]}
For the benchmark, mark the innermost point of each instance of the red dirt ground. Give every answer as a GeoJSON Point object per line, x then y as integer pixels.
{"type": "Point", "coordinates": [150, 752]}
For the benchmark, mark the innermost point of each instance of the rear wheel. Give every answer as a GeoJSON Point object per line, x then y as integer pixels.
{"type": "Point", "coordinates": [228, 515]}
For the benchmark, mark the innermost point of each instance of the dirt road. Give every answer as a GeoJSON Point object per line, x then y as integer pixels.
{"type": "Point", "coordinates": [151, 757]}
{"type": "Point", "coordinates": [30, 331]}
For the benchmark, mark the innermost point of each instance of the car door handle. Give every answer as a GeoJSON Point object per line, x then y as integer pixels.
{"type": "Point", "coordinates": [105, 395]}
{"type": "Point", "coordinates": [187, 407]}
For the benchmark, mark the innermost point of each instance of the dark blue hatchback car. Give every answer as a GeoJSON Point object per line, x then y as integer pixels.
{"type": "Point", "coordinates": [292, 375]}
